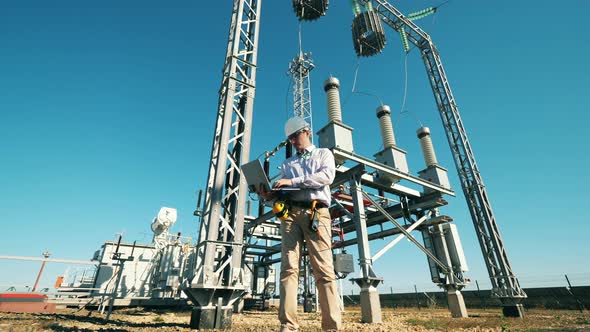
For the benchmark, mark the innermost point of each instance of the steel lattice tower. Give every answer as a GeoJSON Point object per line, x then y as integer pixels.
{"type": "Point", "coordinates": [218, 275]}
{"type": "Point", "coordinates": [299, 68]}
{"type": "Point", "coordinates": [505, 285]}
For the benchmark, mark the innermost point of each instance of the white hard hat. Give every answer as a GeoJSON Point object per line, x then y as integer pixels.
{"type": "Point", "coordinates": [294, 125]}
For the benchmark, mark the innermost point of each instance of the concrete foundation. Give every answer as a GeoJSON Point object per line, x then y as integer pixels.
{"type": "Point", "coordinates": [370, 306]}
{"type": "Point", "coordinates": [513, 310]}
{"type": "Point", "coordinates": [211, 318]}
{"type": "Point", "coordinates": [457, 304]}
{"type": "Point", "coordinates": [369, 298]}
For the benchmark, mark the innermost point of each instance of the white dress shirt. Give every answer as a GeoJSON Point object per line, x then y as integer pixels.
{"type": "Point", "coordinates": [313, 170]}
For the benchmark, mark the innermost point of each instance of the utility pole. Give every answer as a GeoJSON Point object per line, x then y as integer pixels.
{"type": "Point", "coordinates": [571, 291]}
{"type": "Point", "coordinates": [46, 255]}
{"type": "Point", "coordinates": [117, 256]}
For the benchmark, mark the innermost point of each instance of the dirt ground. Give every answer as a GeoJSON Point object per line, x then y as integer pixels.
{"type": "Point", "coordinates": [140, 320]}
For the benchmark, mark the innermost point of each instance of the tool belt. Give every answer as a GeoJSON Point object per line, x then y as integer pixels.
{"type": "Point", "coordinates": [281, 208]}
{"type": "Point", "coordinates": [281, 211]}
{"type": "Point", "coordinates": [314, 218]}
{"type": "Point", "coordinates": [307, 204]}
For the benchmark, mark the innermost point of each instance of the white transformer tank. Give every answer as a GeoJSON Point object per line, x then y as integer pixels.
{"type": "Point", "coordinates": [455, 248]}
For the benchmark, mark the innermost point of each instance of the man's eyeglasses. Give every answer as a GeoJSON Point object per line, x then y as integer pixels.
{"type": "Point", "coordinates": [296, 134]}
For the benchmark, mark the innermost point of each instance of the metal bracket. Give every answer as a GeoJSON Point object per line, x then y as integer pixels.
{"type": "Point", "coordinates": [401, 236]}
{"type": "Point", "coordinates": [403, 230]}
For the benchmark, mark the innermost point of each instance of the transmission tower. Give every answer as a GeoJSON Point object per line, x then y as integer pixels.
{"type": "Point", "coordinates": [505, 285]}
{"type": "Point", "coordinates": [299, 68]}
{"type": "Point", "coordinates": [218, 276]}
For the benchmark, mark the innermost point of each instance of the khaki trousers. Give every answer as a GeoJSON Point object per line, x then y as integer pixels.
{"type": "Point", "coordinates": [319, 245]}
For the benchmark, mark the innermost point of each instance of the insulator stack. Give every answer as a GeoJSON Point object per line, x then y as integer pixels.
{"type": "Point", "coordinates": [384, 116]}
{"type": "Point", "coordinates": [356, 8]}
{"type": "Point", "coordinates": [332, 88]}
{"type": "Point", "coordinates": [368, 35]}
{"type": "Point", "coordinates": [405, 43]}
{"type": "Point", "coordinates": [427, 147]}
{"type": "Point", "coordinates": [309, 10]}
{"type": "Point", "coordinates": [421, 14]}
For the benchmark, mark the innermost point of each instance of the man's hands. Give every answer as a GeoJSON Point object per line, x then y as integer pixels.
{"type": "Point", "coordinates": [283, 183]}
{"type": "Point", "coordinates": [278, 184]}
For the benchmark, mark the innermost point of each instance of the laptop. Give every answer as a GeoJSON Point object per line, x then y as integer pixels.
{"type": "Point", "coordinates": [255, 177]}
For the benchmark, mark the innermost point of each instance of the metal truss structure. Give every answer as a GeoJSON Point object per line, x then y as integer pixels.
{"type": "Point", "coordinates": [299, 68]}
{"type": "Point", "coordinates": [218, 274]}
{"type": "Point", "coordinates": [505, 285]}
{"type": "Point", "coordinates": [217, 281]}
{"type": "Point", "coordinates": [368, 221]}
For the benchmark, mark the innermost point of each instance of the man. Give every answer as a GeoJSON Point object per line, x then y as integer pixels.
{"type": "Point", "coordinates": [313, 170]}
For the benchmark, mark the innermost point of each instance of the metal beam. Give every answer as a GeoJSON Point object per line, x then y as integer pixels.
{"type": "Point", "coordinates": [400, 237]}
{"type": "Point", "coordinates": [368, 180]}
{"type": "Point", "coordinates": [51, 260]}
{"type": "Point", "coordinates": [408, 235]}
{"type": "Point", "coordinates": [253, 223]}
{"type": "Point", "coordinates": [376, 218]}
{"type": "Point", "coordinates": [375, 236]}
{"type": "Point", "coordinates": [361, 227]}
{"type": "Point", "coordinates": [393, 231]}
{"type": "Point", "coordinates": [390, 171]}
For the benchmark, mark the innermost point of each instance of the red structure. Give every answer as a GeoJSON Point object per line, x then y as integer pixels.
{"type": "Point", "coordinates": [25, 302]}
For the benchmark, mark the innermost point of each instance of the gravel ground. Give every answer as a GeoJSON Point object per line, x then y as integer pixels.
{"type": "Point", "coordinates": [140, 320]}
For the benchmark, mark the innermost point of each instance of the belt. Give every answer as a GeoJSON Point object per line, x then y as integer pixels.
{"type": "Point", "coordinates": [307, 204]}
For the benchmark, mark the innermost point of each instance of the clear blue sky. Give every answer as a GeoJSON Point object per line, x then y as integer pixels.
{"type": "Point", "coordinates": [108, 111]}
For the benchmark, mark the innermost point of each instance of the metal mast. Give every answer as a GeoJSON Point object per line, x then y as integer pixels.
{"type": "Point", "coordinates": [505, 285]}
{"type": "Point", "coordinates": [217, 280]}
{"type": "Point", "coordinates": [299, 68]}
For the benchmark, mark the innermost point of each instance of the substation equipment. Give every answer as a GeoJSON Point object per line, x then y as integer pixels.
{"type": "Point", "coordinates": [132, 274]}
{"type": "Point", "coordinates": [219, 278]}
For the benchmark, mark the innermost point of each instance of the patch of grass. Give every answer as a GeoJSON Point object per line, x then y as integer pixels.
{"type": "Point", "coordinates": [431, 324]}
{"type": "Point", "coordinates": [504, 325]}
{"type": "Point", "coordinates": [583, 320]}
{"type": "Point", "coordinates": [158, 319]}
